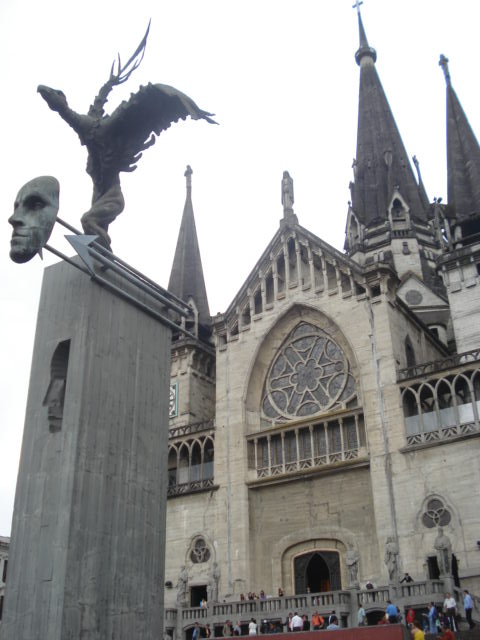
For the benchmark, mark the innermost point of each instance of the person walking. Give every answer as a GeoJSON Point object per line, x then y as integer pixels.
{"type": "Point", "coordinates": [468, 606]}
{"type": "Point", "coordinates": [450, 611]}
{"type": "Point", "coordinates": [432, 618]}
{"type": "Point", "coordinates": [252, 627]}
{"type": "Point", "coordinates": [361, 616]}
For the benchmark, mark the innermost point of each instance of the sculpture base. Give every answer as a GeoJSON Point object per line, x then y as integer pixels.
{"type": "Point", "coordinates": [88, 538]}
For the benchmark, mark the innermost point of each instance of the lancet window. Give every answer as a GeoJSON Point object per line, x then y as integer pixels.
{"type": "Point", "coordinates": [442, 407]}
{"type": "Point", "coordinates": [190, 465]}
{"type": "Point", "coordinates": [290, 449]}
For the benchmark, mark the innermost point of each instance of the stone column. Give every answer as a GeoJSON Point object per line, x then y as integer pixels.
{"type": "Point", "coordinates": [88, 538]}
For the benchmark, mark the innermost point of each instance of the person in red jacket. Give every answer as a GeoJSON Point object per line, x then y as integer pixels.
{"type": "Point", "coordinates": [410, 617]}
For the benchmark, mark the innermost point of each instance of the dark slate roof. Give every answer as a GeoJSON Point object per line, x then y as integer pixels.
{"type": "Point", "coordinates": [186, 277]}
{"type": "Point", "coordinates": [381, 161]}
{"type": "Point", "coordinates": [463, 157]}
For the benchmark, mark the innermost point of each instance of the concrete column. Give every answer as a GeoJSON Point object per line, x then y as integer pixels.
{"type": "Point", "coordinates": [88, 538]}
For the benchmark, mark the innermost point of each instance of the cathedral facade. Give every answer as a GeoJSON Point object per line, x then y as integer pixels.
{"type": "Point", "coordinates": [324, 430]}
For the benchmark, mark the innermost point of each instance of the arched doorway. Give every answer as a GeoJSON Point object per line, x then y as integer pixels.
{"type": "Point", "coordinates": [317, 570]}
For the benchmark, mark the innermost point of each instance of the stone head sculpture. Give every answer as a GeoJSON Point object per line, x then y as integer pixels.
{"type": "Point", "coordinates": [34, 213]}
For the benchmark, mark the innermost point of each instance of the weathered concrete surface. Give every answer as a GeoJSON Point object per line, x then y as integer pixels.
{"type": "Point", "coordinates": [87, 553]}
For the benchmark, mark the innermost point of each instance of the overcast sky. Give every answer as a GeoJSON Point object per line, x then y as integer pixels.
{"type": "Point", "coordinates": [282, 80]}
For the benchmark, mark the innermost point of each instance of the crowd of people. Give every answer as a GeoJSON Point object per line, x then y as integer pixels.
{"type": "Point", "coordinates": [438, 621]}
{"type": "Point", "coordinates": [293, 623]}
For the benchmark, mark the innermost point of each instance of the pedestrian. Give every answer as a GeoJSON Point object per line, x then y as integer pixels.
{"type": "Point", "coordinates": [306, 623]}
{"type": "Point", "coordinates": [297, 622]}
{"type": "Point", "coordinates": [450, 611]}
{"type": "Point", "coordinates": [196, 632]}
{"type": "Point", "coordinates": [237, 629]}
{"type": "Point", "coordinates": [317, 621]}
{"type": "Point", "coordinates": [410, 617]}
{"type": "Point", "coordinates": [361, 615]}
{"type": "Point", "coordinates": [252, 627]}
{"type": "Point", "coordinates": [391, 612]}
{"type": "Point", "coordinates": [417, 633]}
{"type": "Point", "coordinates": [333, 625]}
{"type": "Point", "coordinates": [208, 631]}
{"type": "Point", "coordinates": [447, 634]}
{"type": "Point", "coordinates": [468, 606]}
{"type": "Point", "coordinates": [431, 616]}
{"type": "Point", "coordinates": [227, 629]}
{"type": "Point", "coordinates": [406, 578]}
{"type": "Point", "coordinates": [288, 621]}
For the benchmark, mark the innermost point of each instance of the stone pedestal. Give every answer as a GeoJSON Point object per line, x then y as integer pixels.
{"type": "Point", "coordinates": [87, 552]}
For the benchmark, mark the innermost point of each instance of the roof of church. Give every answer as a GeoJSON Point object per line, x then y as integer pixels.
{"type": "Point", "coordinates": [186, 278]}
{"type": "Point", "coordinates": [381, 162]}
{"type": "Point", "coordinates": [463, 157]}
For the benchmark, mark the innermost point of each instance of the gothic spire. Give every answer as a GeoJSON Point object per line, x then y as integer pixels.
{"type": "Point", "coordinates": [382, 165]}
{"type": "Point", "coordinates": [186, 277]}
{"type": "Point", "coordinates": [463, 158]}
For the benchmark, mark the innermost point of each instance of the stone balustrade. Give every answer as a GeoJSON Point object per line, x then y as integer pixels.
{"type": "Point", "coordinates": [414, 594]}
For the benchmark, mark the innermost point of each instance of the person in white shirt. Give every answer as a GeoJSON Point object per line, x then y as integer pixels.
{"type": "Point", "coordinates": [361, 615]}
{"type": "Point", "coordinates": [252, 628]}
{"type": "Point", "coordinates": [297, 622]}
{"type": "Point", "coordinates": [450, 611]}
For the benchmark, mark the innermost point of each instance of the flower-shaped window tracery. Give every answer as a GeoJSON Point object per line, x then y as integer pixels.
{"type": "Point", "coordinates": [200, 552]}
{"type": "Point", "coordinates": [309, 375]}
{"type": "Point", "coordinates": [436, 514]}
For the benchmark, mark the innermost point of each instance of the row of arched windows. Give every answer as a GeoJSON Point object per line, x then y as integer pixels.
{"type": "Point", "coordinates": [448, 401]}
{"type": "Point", "coordinates": [190, 461]}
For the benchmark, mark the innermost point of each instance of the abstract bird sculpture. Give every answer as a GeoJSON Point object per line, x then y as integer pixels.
{"type": "Point", "coordinates": [115, 142]}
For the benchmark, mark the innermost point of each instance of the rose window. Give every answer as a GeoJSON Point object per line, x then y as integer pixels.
{"type": "Point", "coordinates": [309, 375]}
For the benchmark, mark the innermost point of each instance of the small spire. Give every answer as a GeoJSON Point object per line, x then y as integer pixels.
{"type": "Point", "coordinates": [364, 50]}
{"type": "Point", "coordinates": [186, 277]}
{"type": "Point", "coordinates": [188, 176]}
{"type": "Point", "coordinates": [443, 62]}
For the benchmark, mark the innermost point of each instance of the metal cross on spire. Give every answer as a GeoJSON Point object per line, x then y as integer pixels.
{"type": "Point", "coordinates": [443, 62]}
{"type": "Point", "coordinates": [357, 5]}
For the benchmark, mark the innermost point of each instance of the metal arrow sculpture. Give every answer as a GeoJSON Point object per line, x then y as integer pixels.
{"type": "Point", "coordinates": [115, 142]}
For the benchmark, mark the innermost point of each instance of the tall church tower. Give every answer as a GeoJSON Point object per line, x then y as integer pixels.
{"type": "Point", "coordinates": [192, 391]}
{"type": "Point", "coordinates": [388, 215]}
{"type": "Point", "coordinates": [458, 222]}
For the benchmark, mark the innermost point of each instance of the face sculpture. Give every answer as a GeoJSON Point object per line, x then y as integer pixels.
{"type": "Point", "coordinates": [34, 214]}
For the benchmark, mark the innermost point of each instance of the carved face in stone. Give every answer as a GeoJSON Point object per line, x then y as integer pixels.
{"type": "Point", "coordinates": [34, 214]}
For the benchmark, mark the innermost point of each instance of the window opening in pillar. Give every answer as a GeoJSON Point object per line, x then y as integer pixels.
{"type": "Point", "coordinates": [55, 397]}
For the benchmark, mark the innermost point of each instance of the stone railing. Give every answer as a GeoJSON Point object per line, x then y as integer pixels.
{"type": "Point", "coordinates": [188, 429]}
{"type": "Point", "coordinates": [455, 360]}
{"type": "Point", "coordinates": [276, 609]}
{"type": "Point", "coordinates": [190, 487]}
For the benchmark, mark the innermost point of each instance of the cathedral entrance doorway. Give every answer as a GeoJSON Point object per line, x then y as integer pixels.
{"type": "Point", "coordinates": [317, 571]}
